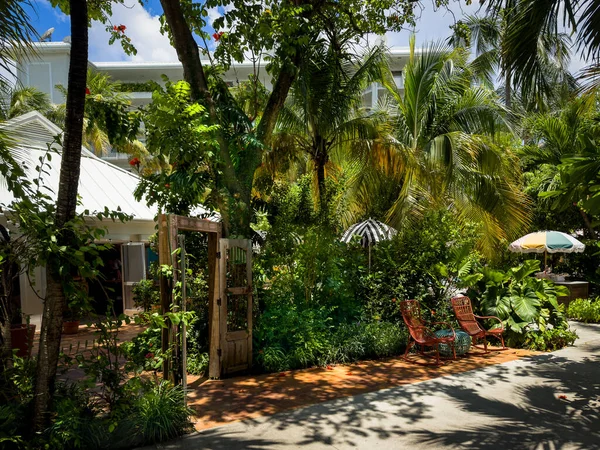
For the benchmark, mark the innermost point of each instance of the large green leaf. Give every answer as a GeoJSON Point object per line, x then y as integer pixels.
{"type": "Point", "coordinates": [526, 306]}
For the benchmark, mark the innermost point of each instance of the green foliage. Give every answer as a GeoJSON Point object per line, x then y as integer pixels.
{"type": "Point", "coordinates": [145, 349]}
{"type": "Point", "coordinates": [523, 303]}
{"type": "Point", "coordinates": [16, 396]}
{"type": "Point", "coordinates": [145, 294]}
{"type": "Point", "coordinates": [197, 363]}
{"type": "Point", "coordinates": [422, 262]}
{"type": "Point", "coordinates": [585, 310]}
{"type": "Point", "coordinates": [549, 339]}
{"type": "Point", "coordinates": [179, 135]}
{"type": "Point", "coordinates": [148, 86]}
{"type": "Point", "coordinates": [160, 414]}
{"type": "Point", "coordinates": [318, 343]}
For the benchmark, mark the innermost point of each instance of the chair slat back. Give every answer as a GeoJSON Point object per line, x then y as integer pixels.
{"type": "Point", "coordinates": [411, 313]}
{"type": "Point", "coordinates": [464, 314]}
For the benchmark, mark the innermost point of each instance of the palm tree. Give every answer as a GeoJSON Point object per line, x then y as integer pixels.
{"type": "Point", "coordinates": [324, 116]}
{"type": "Point", "coordinates": [16, 34]}
{"type": "Point", "coordinates": [448, 151]}
{"type": "Point", "coordinates": [563, 154]}
{"type": "Point", "coordinates": [21, 100]}
{"type": "Point", "coordinates": [66, 203]}
{"type": "Point", "coordinates": [487, 36]}
{"type": "Point", "coordinates": [531, 20]}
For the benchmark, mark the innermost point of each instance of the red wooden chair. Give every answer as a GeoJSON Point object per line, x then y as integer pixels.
{"type": "Point", "coordinates": [470, 324]}
{"type": "Point", "coordinates": [420, 334]}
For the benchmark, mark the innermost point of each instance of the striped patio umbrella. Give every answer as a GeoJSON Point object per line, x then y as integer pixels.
{"type": "Point", "coordinates": [371, 231]}
{"type": "Point", "coordinates": [547, 242]}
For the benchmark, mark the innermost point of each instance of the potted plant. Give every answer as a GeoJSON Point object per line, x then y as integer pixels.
{"type": "Point", "coordinates": [78, 303]}
{"type": "Point", "coordinates": [145, 295]}
{"type": "Point", "coordinates": [22, 335]}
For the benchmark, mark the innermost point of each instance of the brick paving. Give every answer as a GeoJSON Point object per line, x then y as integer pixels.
{"type": "Point", "coordinates": [219, 402]}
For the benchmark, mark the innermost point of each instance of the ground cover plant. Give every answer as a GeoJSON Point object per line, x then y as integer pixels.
{"type": "Point", "coordinates": [585, 310]}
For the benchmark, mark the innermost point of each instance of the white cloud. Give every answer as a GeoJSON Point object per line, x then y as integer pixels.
{"type": "Point", "coordinates": [143, 29]}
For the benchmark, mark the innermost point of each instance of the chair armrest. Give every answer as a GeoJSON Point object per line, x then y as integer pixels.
{"type": "Point", "coordinates": [491, 317]}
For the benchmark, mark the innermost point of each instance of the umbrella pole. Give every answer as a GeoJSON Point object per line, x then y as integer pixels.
{"type": "Point", "coordinates": [369, 257]}
{"type": "Point", "coordinates": [545, 261]}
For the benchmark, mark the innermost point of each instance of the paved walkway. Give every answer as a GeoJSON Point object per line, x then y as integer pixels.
{"type": "Point", "coordinates": [545, 401]}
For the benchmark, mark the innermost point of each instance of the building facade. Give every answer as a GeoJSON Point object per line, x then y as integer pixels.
{"type": "Point", "coordinates": [49, 67]}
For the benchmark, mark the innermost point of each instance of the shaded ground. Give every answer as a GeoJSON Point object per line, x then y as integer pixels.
{"type": "Point", "coordinates": [218, 402]}
{"type": "Point", "coordinates": [514, 405]}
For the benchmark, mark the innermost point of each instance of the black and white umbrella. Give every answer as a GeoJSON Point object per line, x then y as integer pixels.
{"type": "Point", "coordinates": [371, 231]}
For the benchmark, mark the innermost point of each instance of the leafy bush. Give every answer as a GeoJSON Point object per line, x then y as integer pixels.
{"type": "Point", "coordinates": [144, 349]}
{"type": "Point", "coordinates": [549, 340]}
{"type": "Point", "coordinates": [160, 413]}
{"type": "Point", "coordinates": [197, 363]}
{"type": "Point", "coordinates": [145, 294]}
{"type": "Point", "coordinates": [318, 344]}
{"type": "Point", "coordinates": [524, 304]}
{"type": "Point", "coordinates": [585, 310]}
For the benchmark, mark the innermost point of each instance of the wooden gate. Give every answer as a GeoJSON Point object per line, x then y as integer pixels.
{"type": "Point", "coordinates": [235, 304]}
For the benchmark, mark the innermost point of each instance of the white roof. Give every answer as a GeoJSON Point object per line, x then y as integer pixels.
{"type": "Point", "coordinates": [101, 184]}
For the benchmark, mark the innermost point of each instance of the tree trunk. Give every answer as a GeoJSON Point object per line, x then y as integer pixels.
{"type": "Point", "coordinates": [66, 204]}
{"type": "Point", "coordinates": [238, 183]}
{"type": "Point", "coordinates": [320, 160]}
{"type": "Point", "coordinates": [193, 72]}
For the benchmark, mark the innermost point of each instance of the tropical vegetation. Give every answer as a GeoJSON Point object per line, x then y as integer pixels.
{"type": "Point", "coordinates": [457, 167]}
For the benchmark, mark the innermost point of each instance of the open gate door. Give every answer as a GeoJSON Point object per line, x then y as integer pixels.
{"type": "Point", "coordinates": [235, 304]}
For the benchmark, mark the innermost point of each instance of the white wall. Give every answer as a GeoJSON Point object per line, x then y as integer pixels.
{"type": "Point", "coordinates": [44, 72]}
{"type": "Point", "coordinates": [32, 304]}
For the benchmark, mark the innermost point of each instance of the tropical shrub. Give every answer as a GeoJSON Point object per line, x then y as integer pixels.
{"type": "Point", "coordinates": [317, 342]}
{"type": "Point", "coordinates": [197, 363]}
{"type": "Point", "coordinates": [160, 412]}
{"type": "Point", "coordinates": [145, 294]}
{"type": "Point", "coordinates": [144, 349]}
{"type": "Point", "coordinates": [549, 339]}
{"type": "Point", "coordinates": [524, 303]}
{"type": "Point", "coordinates": [585, 310]}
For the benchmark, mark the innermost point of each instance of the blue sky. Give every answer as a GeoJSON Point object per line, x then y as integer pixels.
{"type": "Point", "coordinates": [143, 28]}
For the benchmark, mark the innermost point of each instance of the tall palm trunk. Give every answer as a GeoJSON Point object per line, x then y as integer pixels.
{"type": "Point", "coordinates": [321, 157]}
{"type": "Point", "coordinates": [66, 204]}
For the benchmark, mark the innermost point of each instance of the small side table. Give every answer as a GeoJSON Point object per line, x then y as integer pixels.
{"type": "Point", "coordinates": [462, 342]}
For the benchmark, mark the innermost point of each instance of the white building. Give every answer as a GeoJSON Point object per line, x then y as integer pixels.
{"type": "Point", "coordinates": [101, 185]}
{"type": "Point", "coordinates": [50, 66]}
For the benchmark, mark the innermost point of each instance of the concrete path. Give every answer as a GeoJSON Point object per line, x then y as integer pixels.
{"type": "Point", "coordinates": [514, 405]}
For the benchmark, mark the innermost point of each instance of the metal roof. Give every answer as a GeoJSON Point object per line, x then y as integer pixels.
{"type": "Point", "coordinates": [101, 184]}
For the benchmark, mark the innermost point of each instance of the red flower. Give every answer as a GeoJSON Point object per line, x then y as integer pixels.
{"type": "Point", "coordinates": [87, 91]}
{"type": "Point", "coordinates": [218, 35]}
{"type": "Point", "coordinates": [167, 185]}
{"type": "Point", "coordinates": [121, 28]}
{"type": "Point", "coordinates": [134, 162]}
{"type": "Point", "coordinates": [149, 355]}
{"type": "Point", "coordinates": [115, 28]}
